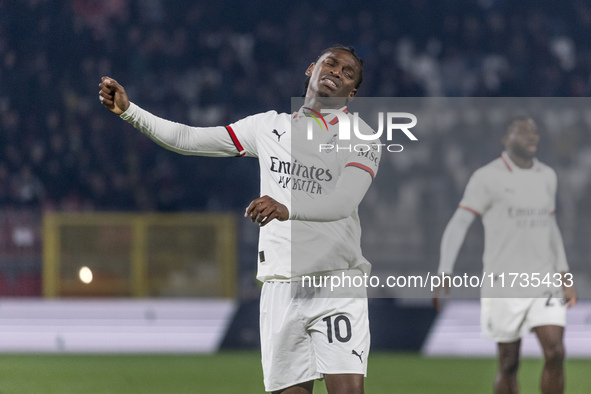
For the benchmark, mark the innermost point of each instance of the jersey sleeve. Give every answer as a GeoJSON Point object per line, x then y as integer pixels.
{"type": "Point", "coordinates": [556, 242]}
{"type": "Point", "coordinates": [557, 245]}
{"type": "Point", "coordinates": [477, 197]}
{"type": "Point", "coordinates": [350, 190]}
{"type": "Point", "coordinates": [180, 138]}
{"type": "Point", "coordinates": [453, 238]}
{"type": "Point", "coordinates": [553, 186]}
{"type": "Point", "coordinates": [244, 132]}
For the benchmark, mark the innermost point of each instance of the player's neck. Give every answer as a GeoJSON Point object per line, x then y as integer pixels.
{"type": "Point", "coordinates": [521, 162]}
{"type": "Point", "coordinates": [319, 103]}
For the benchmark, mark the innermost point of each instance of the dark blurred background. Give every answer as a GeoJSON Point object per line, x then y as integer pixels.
{"type": "Point", "coordinates": [211, 63]}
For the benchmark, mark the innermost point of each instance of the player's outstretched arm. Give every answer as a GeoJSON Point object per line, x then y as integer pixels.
{"type": "Point", "coordinates": [177, 137]}
{"type": "Point", "coordinates": [451, 242]}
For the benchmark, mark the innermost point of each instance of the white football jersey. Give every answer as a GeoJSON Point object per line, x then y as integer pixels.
{"type": "Point", "coordinates": [517, 207]}
{"type": "Point", "coordinates": [294, 169]}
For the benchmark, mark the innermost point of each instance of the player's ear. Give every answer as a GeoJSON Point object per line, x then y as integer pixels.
{"type": "Point", "coordinates": [310, 69]}
{"type": "Point", "coordinates": [504, 139]}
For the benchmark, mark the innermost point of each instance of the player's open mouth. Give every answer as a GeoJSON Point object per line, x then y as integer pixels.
{"type": "Point", "coordinates": [328, 82]}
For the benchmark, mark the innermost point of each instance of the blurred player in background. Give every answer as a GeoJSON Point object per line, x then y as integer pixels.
{"type": "Point", "coordinates": [306, 336]}
{"type": "Point", "coordinates": [515, 195]}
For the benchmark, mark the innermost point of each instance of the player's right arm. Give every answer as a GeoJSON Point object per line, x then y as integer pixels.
{"type": "Point", "coordinates": [350, 189]}
{"type": "Point", "coordinates": [180, 138]}
{"type": "Point", "coordinates": [113, 96]}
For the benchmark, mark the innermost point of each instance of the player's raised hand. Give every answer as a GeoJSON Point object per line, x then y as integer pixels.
{"type": "Point", "coordinates": [113, 96]}
{"type": "Point", "coordinates": [264, 209]}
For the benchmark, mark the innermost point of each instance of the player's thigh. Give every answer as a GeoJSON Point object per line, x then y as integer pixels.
{"type": "Point", "coordinates": [547, 319]}
{"type": "Point", "coordinates": [344, 383]}
{"type": "Point", "coordinates": [547, 312]}
{"type": "Point", "coordinates": [551, 339]}
{"type": "Point", "coordinates": [286, 347]}
{"type": "Point", "coordinates": [502, 319]}
{"type": "Point", "coordinates": [340, 335]}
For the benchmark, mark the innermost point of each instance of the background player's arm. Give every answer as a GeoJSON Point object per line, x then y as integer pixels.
{"type": "Point", "coordinates": [453, 238]}
{"type": "Point", "coordinates": [477, 199]}
{"type": "Point", "coordinates": [558, 246]}
{"type": "Point", "coordinates": [451, 242]}
{"type": "Point", "coordinates": [349, 191]}
{"type": "Point", "coordinates": [180, 138]}
{"type": "Point", "coordinates": [570, 294]}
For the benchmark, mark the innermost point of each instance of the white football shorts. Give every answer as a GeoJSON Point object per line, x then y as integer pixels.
{"type": "Point", "coordinates": [508, 319]}
{"type": "Point", "coordinates": [305, 335]}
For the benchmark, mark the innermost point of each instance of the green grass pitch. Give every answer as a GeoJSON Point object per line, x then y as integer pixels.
{"type": "Point", "coordinates": [240, 372]}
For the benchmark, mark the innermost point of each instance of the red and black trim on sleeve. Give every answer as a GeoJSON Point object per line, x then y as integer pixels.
{"type": "Point", "coordinates": [363, 167]}
{"type": "Point", "coordinates": [475, 212]}
{"type": "Point", "coordinates": [237, 144]}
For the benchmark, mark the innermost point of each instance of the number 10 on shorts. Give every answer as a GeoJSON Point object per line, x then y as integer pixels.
{"type": "Point", "coordinates": [339, 323]}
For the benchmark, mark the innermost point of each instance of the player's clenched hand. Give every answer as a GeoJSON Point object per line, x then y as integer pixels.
{"type": "Point", "coordinates": [264, 209]}
{"type": "Point", "coordinates": [570, 296]}
{"type": "Point", "coordinates": [112, 95]}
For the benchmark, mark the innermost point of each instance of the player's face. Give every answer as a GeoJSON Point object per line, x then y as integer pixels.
{"type": "Point", "coordinates": [334, 75]}
{"type": "Point", "coordinates": [523, 139]}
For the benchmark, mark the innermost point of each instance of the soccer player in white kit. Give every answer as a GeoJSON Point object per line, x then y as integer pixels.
{"type": "Point", "coordinates": [515, 196]}
{"type": "Point", "coordinates": [313, 194]}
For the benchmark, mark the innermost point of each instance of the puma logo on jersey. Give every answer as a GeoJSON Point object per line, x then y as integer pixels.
{"type": "Point", "coordinates": [278, 135]}
{"type": "Point", "coordinates": [358, 355]}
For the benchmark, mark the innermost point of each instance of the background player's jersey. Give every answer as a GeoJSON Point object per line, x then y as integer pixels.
{"type": "Point", "coordinates": [517, 207]}
{"type": "Point", "coordinates": [294, 169]}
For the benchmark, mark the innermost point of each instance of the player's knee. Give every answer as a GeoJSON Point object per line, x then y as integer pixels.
{"type": "Point", "coordinates": [509, 369]}
{"type": "Point", "coordinates": [344, 384]}
{"type": "Point", "coordinates": [349, 389]}
{"type": "Point", "coordinates": [554, 355]}
{"type": "Point", "coordinates": [357, 387]}
{"type": "Point", "coordinates": [508, 365]}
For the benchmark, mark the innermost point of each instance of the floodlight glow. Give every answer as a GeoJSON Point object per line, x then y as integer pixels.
{"type": "Point", "coordinates": [85, 275]}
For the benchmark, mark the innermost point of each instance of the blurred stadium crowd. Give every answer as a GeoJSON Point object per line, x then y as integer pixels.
{"type": "Point", "coordinates": [211, 63]}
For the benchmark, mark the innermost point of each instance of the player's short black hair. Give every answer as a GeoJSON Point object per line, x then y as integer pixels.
{"type": "Point", "coordinates": [517, 118]}
{"type": "Point", "coordinates": [349, 49]}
